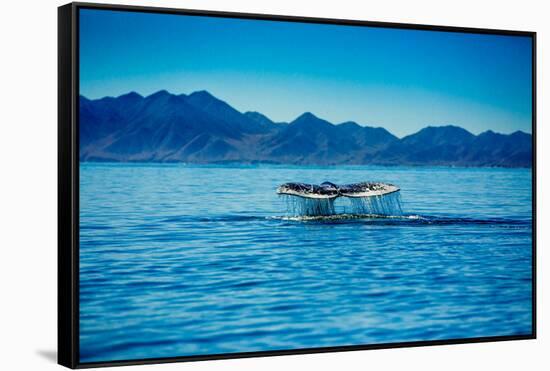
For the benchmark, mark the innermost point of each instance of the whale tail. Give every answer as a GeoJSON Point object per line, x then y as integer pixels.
{"type": "Point", "coordinates": [328, 190]}
{"type": "Point", "coordinates": [366, 198]}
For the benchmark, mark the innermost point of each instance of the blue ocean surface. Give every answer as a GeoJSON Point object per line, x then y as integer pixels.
{"type": "Point", "coordinates": [180, 260]}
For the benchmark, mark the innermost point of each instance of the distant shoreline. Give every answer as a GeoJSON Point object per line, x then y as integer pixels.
{"type": "Point", "coordinates": [260, 164]}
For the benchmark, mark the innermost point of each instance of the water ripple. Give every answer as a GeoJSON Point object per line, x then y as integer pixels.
{"type": "Point", "coordinates": [169, 270]}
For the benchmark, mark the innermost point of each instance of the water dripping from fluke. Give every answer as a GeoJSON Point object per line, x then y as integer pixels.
{"type": "Point", "coordinates": [367, 199]}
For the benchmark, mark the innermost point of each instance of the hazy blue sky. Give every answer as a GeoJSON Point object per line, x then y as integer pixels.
{"type": "Point", "coordinates": [402, 80]}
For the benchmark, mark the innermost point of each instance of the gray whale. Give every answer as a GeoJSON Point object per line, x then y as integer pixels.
{"type": "Point", "coordinates": [328, 190]}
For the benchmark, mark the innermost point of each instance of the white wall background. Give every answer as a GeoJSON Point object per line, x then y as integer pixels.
{"type": "Point", "coordinates": [28, 171]}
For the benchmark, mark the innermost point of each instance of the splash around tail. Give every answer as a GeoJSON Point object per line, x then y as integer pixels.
{"type": "Point", "coordinates": [364, 198]}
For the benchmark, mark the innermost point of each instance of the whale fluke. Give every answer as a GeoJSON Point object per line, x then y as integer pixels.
{"type": "Point", "coordinates": [328, 190]}
{"type": "Point", "coordinates": [367, 189]}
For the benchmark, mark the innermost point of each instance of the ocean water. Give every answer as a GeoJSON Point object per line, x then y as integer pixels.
{"type": "Point", "coordinates": [179, 260]}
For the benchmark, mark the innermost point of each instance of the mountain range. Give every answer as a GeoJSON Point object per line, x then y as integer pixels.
{"type": "Point", "coordinates": [200, 128]}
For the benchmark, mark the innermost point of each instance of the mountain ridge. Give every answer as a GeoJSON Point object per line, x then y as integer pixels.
{"type": "Point", "coordinates": [201, 128]}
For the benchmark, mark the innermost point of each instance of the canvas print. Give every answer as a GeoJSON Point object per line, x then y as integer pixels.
{"type": "Point", "coordinates": [263, 185]}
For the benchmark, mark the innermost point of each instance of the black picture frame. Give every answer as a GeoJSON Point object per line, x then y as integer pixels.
{"type": "Point", "coordinates": [68, 183]}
